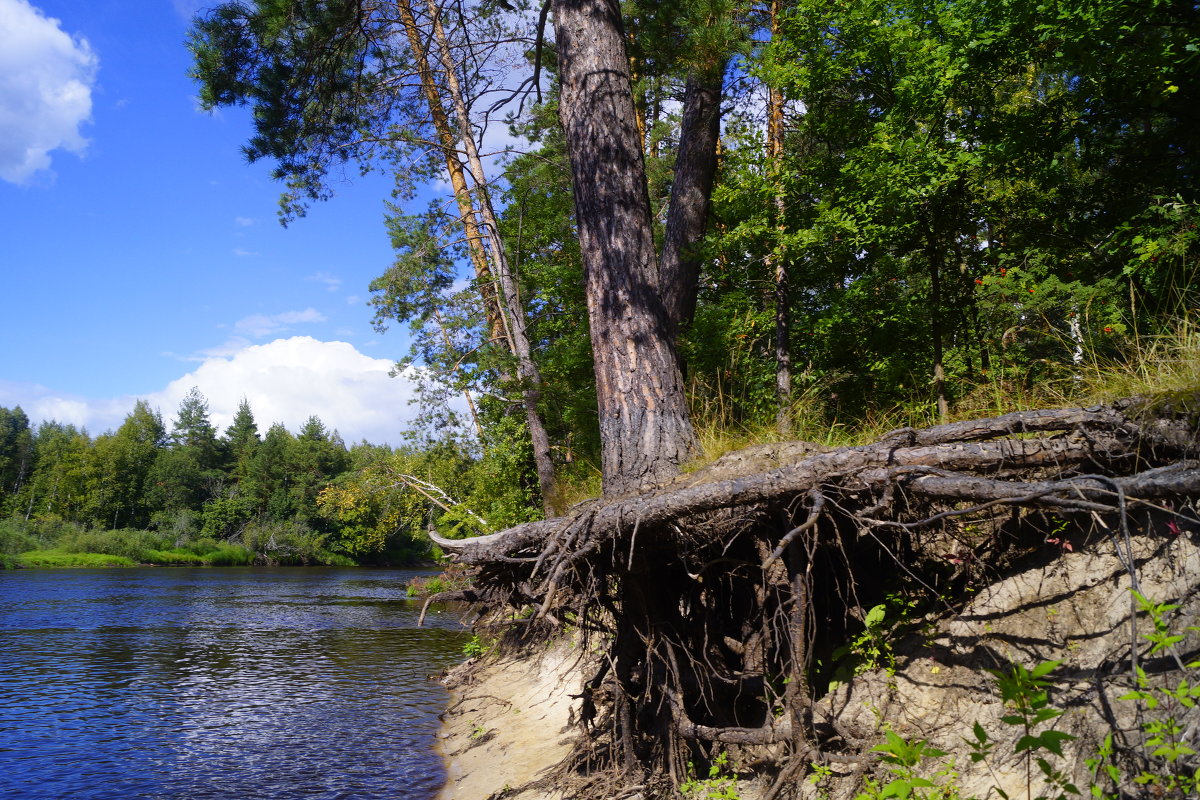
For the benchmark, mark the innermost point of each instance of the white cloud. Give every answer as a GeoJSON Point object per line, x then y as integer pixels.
{"type": "Point", "coordinates": [353, 300]}
{"type": "Point", "coordinates": [243, 222]}
{"type": "Point", "coordinates": [189, 8]}
{"type": "Point", "coordinates": [261, 325]}
{"type": "Point", "coordinates": [332, 282]}
{"type": "Point", "coordinates": [46, 80]}
{"type": "Point", "coordinates": [285, 380]}
{"type": "Point", "coordinates": [288, 380]}
{"type": "Point", "coordinates": [41, 404]}
{"type": "Point", "coordinates": [237, 251]}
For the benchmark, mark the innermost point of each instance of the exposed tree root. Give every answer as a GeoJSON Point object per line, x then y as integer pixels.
{"type": "Point", "coordinates": [720, 604]}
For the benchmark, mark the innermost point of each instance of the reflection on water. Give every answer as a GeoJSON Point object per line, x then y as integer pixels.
{"type": "Point", "coordinates": [218, 683]}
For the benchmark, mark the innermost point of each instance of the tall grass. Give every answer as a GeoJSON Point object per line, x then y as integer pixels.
{"type": "Point", "coordinates": [1164, 366]}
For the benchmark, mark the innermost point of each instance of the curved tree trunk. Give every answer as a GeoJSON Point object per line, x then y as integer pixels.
{"type": "Point", "coordinates": [645, 429]}
{"type": "Point", "coordinates": [458, 182]}
{"type": "Point", "coordinates": [505, 318]}
{"type": "Point", "coordinates": [510, 295]}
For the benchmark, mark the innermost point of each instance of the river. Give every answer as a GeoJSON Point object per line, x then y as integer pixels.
{"type": "Point", "coordinates": [219, 683]}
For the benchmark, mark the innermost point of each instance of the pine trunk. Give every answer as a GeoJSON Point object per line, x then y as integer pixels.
{"type": "Point", "coordinates": [691, 193]}
{"type": "Point", "coordinates": [645, 430]}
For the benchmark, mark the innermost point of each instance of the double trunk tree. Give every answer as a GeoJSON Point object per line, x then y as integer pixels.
{"type": "Point", "coordinates": [645, 429]}
{"type": "Point", "coordinates": [329, 83]}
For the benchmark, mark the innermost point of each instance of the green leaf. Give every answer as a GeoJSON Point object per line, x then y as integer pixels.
{"type": "Point", "coordinates": [1053, 741]}
{"type": "Point", "coordinates": [1045, 668]}
{"type": "Point", "coordinates": [875, 616]}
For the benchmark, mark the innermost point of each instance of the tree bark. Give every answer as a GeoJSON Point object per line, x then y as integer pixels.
{"type": "Point", "coordinates": [691, 193]}
{"type": "Point", "coordinates": [783, 352]}
{"type": "Point", "coordinates": [458, 181]}
{"type": "Point", "coordinates": [645, 430]}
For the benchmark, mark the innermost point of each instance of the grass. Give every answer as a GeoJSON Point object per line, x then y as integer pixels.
{"type": "Point", "coordinates": [226, 555]}
{"type": "Point", "coordinates": [1165, 366]}
{"type": "Point", "coordinates": [53, 543]}
{"type": "Point", "coordinates": [1162, 366]}
{"type": "Point", "coordinates": [41, 559]}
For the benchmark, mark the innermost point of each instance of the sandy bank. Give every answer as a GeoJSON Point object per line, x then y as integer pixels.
{"type": "Point", "coordinates": [508, 722]}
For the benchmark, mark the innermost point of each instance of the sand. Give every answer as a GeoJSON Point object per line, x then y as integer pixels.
{"type": "Point", "coordinates": [507, 724]}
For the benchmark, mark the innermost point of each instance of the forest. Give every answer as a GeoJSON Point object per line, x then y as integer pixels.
{"type": "Point", "coordinates": [827, 219]}
{"type": "Point", "coordinates": [861, 215]}
{"type": "Point", "coordinates": [191, 495]}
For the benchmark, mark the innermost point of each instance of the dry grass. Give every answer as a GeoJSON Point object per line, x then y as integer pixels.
{"type": "Point", "coordinates": [1156, 366]}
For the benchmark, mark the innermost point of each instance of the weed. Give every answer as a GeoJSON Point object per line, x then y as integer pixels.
{"type": "Point", "coordinates": [1163, 732]}
{"type": "Point", "coordinates": [1026, 696]}
{"type": "Point", "coordinates": [902, 759]}
{"type": "Point", "coordinates": [717, 786]}
{"type": "Point", "coordinates": [871, 649]}
{"type": "Point", "coordinates": [476, 647]}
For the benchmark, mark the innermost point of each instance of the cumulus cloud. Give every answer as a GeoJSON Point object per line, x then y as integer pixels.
{"type": "Point", "coordinates": [289, 380]}
{"type": "Point", "coordinates": [285, 380]}
{"type": "Point", "coordinates": [46, 80]}
{"type": "Point", "coordinates": [259, 326]}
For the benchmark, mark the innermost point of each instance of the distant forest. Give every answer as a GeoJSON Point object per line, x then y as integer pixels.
{"type": "Point", "coordinates": [186, 493]}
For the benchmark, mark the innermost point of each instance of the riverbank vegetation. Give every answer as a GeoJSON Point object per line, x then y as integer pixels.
{"type": "Point", "coordinates": [147, 494]}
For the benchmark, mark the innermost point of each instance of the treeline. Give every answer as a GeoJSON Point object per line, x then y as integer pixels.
{"type": "Point", "coordinates": [190, 485]}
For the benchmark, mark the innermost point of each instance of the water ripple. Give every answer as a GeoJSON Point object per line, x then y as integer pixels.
{"type": "Point", "coordinates": [246, 683]}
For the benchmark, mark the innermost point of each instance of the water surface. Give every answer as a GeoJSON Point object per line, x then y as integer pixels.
{"type": "Point", "coordinates": [218, 683]}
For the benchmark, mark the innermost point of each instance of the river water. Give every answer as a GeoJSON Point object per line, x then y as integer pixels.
{"type": "Point", "coordinates": [219, 683]}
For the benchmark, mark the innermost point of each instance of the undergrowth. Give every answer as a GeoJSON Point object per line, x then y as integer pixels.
{"type": "Point", "coordinates": [1163, 364]}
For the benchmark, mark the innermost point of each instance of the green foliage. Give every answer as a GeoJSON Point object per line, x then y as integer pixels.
{"type": "Point", "coordinates": [902, 758]}
{"type": "Point", "coordinates": [717, 786]}
{"type": "Point", "coordinates": [1025, 694]}
{"type": "Point", "coordinates": [455, 577]}
{"type": "Point", "coordinates": [1163, 730]}
{"type": "Point", "coordinates": [476, 647]}
{"type": "Point", "coordinates": [871, 649]}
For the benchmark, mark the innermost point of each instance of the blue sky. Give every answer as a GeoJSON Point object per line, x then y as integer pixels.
{"type": "Point", "coordinates": [140, 255]}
